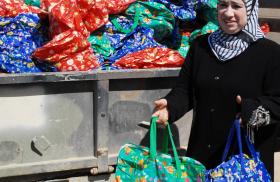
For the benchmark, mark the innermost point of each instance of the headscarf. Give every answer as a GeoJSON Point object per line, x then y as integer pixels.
{"type": "Point", "coordinates": [227, 46]}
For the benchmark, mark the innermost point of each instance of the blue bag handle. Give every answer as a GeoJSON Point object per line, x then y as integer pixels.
{"type": "Point", "coordinates": [229, 140]}
{"type": "Point", "coordinates": [236, 127]}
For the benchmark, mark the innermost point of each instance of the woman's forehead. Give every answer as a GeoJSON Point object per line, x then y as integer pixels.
{"type": "Point", "coordinates": [233, 1]}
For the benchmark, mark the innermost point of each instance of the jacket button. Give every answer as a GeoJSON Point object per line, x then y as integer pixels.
{"type": "Point", "coordinates": [216, 78]}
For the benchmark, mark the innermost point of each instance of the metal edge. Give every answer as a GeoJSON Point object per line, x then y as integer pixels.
{"type": "Point", "coordinates": [83, 76]}
{"type": "Point", "coordinates": [47, 166]}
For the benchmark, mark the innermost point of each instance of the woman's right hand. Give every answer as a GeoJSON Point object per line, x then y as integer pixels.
{"type": "Point", "coordinates": [161, 112]}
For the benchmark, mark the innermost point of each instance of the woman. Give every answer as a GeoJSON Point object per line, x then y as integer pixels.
{"type": "Point", "coordinates": [233, 70]}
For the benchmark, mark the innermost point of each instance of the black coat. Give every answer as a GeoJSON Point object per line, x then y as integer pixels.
{"type": "Point", "coordinates": [209, 87]}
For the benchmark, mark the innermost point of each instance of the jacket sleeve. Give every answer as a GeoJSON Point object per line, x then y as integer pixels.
{"type": "Point", "coordinates": [265, 109]}
{"type": "Point", "coordinates": [180, 98]}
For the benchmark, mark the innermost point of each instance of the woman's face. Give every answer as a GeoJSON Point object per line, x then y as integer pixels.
{"type": "Point", "coordinates": [232, 15]}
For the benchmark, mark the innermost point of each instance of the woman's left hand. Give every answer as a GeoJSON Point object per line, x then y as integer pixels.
{"type": "Point", "coordinates": [238, 100]}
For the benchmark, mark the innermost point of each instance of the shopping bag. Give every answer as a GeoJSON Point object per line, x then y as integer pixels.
{"type": "Point", "coordinates": [138, 163]}
{"type": "Point", "coordinates": [240, 167]}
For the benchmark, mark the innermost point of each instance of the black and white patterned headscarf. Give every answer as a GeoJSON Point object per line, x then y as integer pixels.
{"type": "Point", "coordinates": [226, 46]}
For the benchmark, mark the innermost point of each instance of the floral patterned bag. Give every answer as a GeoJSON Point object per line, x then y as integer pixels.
{"type": "Point", "coordinates": [138, 163]}
{"type": "Point", "coordinates": [240, 167]}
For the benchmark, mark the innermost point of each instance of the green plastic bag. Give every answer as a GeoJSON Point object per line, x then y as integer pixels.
{"type": "Point", "coordinates": [153, 15]}
{"type": "Point", "coordinates": [139, 163]}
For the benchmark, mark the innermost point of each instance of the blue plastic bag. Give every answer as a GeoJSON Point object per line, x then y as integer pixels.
{"type": "Point", "coordinates": [240, 168]}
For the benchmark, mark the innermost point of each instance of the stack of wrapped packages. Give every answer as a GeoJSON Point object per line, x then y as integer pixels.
{"type": "Point", "coordinates": [84, 35]}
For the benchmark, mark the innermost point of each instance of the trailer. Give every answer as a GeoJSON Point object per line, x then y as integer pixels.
{"type": "Point", "coordinates": [68, 127]}
{"type": "Point", "coordinates": [59, 124]}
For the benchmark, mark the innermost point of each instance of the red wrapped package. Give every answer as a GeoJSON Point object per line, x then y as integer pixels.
{"type": "Point", "coordinates": [68, 51]}
{"type": "Point", "coordinates": [265, 28]}
{"type": "Point", "coordinates": [94, 14]}
{"type": "Point", "coordinates": [64, 15]}
{"type": "Point", "coordinates": [11, 8]}
{"type": "Point", "coordinates": [156, 57]}
{"type": "Point", "coordinates": [71, 22]}
{"type": "Point", "coordinates": [81, 15]}
{"type": "Point", "coordinates": [118, 6]}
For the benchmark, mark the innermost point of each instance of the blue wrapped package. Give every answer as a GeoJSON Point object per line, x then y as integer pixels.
{"type": "Point", "coordinates": [187, 10]}
{"type": "Point", "coordinates": [19, 37]}
{"type": "Point", "coordinates": [113, 42]}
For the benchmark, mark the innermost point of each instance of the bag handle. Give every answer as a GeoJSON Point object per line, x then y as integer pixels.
{"type": "Point", "coordinates": [236, 127]}
{"type": "Point", "coordinates": [153, 144]}
{"type": "Point", "coordinates": [134, 25]}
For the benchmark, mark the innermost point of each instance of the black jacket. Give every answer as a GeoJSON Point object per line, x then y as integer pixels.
{"type": "Point", "coordinates": [209, 87]}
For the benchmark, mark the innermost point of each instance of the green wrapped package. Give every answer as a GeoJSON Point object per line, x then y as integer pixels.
{"type": "Point", "coordinates": [153, 15]}
{"type": "Point", "coordinates": [101, 44]}
{"type": "Point", "coordinates": [208, 28]}
{"type": "Point", "coordinates": [33, 3]}
{"type": "Point", "coordinates": [185, 46]}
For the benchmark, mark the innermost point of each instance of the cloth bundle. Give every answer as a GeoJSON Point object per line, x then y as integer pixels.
{"type": "Point", "coordinates": [68, 51]}
{"type": "Point", "coordinates": [153, 15]}
{"type": "Point", "coordinates": [187, 10]}
{"type": "Point", "coordinates": [12, 8]}
{"type": "Point", "coordinates": [70, 25]}
{"type": "Point", "coordinates": [19, 37]}
{"type": "Point", "coordinates": [119, 38]}
{"type": "Point", "coordinates": [151, 58]}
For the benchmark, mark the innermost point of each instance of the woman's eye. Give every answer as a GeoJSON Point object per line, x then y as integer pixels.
{"type": "Point", "coordinates": [236, 7]}
{"type": "Point", "coordinates": [222, 5]}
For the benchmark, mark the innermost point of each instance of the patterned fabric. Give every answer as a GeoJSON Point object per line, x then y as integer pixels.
{"type": "Point", "coordinates": [153, 15]}
{"type": "Point", "coordinates": [222, 43]}
{"type": "Point", "coordinates": [230, 171]}
{"type": "Point", "coordinates": [117, 6]}
{"type": "Point", "coordinates": [208, 28]}
{"type": "Point", "coordinates": [70, 25]}
{"type": "Point", "coordinates": [139, 39]}
{"type": "Point", "coordinates": [19, 37]}
{"type": "Point", "coordinates": [113, 44]}
{"type": "Point", "coordinates": [134, 164]}
{"type": "Point", "coordinates": [187, 10]}
{"type": "Point", "coordinates": [33, 3]}
{"type": "Point", "coordinates": [12, 8]}
{"type": "Point", "coordinates": [68, 51]}
{"type": "Point", "coordinates": [151, 58]}
{"type": "Point", "coordinates": [184, 44]}
{"type": "Point", "coordinates": [240, 167]}
{"type": "Point", "coordinates": [138, 163]}
{"type": "Point", "coordinates": [79, 15]}
{"type": "Point", "coordinates": [259, 117]}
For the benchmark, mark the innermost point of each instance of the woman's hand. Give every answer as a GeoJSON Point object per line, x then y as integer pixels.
{"type": "Point", "coordinates": [238, 100]}
{"type": "Point", "coordinates": [161, 112]}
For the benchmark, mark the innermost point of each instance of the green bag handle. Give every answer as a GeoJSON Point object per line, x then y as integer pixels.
{"type": "Point", "coordinates": [165, 142]}
{"type": "Point", "coordinates": [134, 25]}
{"type": "Point", "coordinates": [153, 144]}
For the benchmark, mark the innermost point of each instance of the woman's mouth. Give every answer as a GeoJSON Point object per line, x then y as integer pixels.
{"type": "Point", "coordinates": [229, 22]}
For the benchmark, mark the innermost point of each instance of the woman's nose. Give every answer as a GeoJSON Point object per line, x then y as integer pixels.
{"type": "Point", "coordinates": [229, 12]}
